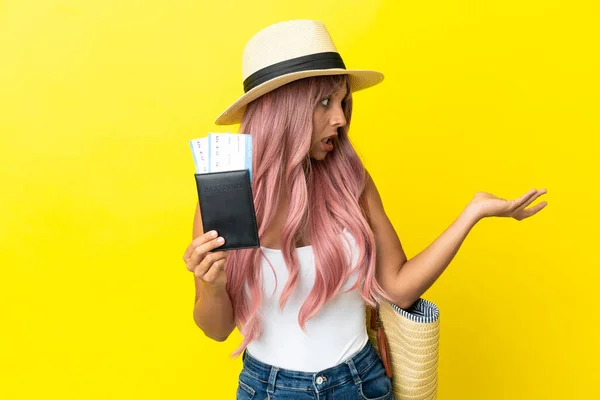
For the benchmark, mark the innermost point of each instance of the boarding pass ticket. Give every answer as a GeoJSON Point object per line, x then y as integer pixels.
{"type": "Point", "coordinates": [218, 152]}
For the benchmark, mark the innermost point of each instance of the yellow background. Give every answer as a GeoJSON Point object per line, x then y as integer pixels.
{"type": "Point", "coordinates": [98, 100]}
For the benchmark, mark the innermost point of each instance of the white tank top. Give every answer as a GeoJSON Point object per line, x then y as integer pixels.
{"type": "Point", "coordinates": [332, 336]}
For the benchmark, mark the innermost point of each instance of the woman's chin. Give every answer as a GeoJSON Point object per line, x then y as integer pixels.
{"type": "Point", "coordinates": [319, 156]}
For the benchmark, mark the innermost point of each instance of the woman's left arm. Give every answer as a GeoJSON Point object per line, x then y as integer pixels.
{"type": "Point", "coordinates": [406, 280]}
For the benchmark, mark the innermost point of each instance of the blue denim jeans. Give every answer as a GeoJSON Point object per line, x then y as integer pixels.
{"type": "Point", "coordinates": [359, 378]}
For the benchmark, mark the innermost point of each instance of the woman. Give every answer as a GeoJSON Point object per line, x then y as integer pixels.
{"type": "Point", "coordinates": [327, 246]}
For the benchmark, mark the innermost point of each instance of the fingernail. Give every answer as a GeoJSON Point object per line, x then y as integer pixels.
{"type": "Point", "coordinates": [213, 233]}
{"type": "Point", "coordinates": [220, 240]}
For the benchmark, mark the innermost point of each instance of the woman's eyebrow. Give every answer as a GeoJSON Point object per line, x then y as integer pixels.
{"type": "Point", "coordinates": [345, 97]}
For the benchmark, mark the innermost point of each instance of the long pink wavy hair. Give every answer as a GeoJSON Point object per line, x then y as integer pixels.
{"type": "Point", "coordinates": [324, 197]}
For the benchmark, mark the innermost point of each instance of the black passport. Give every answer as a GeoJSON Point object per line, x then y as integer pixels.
{"type": "Point", "coordinates": [227, 206]}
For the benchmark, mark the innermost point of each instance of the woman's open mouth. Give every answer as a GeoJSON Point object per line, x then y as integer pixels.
{"type": "Point", "coordinates": [327, 143]}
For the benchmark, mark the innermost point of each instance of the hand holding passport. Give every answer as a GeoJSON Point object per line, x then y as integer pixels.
{"type": "Point", "coordinates": [224, 183]}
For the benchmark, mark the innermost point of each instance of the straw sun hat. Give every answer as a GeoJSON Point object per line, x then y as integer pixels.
{"type": "Point", "coordinates": [285, 52]}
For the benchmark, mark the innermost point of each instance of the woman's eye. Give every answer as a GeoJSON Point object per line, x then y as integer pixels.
{"type": "Point", "coordinates": [327, 99]}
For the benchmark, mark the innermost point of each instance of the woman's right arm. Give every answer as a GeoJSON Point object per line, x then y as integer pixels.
{"type": "Point", "coordinates": [213, 311]}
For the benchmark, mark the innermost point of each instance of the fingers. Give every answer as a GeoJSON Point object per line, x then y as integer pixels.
{"type": "Point", "coordinates": [518, 203]}
{"type": "Point", "coordinates": [522, 212]}
{"type": "Point", "coordinates": [207, 263]}
{"type": "Point", "coordinates": [537, 194]}
{"type": "Point", "coordinates": [531, 211]}
{"type": "Point", "coordinates": [213, 272]}
{"type": "Point", "coordinates": [201, 245]}
{"type": "Point", "coordinates": [200, 252]}
{"type": "Point", "coordinates": [200, 240]}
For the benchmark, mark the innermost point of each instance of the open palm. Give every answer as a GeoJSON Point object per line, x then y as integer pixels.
{"type": "Point", "coordinates": [489, 205]}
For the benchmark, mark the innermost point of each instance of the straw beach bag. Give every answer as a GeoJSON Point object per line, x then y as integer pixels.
{"type": "Point", "coordinates": [407, 340]}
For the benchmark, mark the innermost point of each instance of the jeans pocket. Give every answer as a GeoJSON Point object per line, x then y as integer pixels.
{"type": "Point", "coordinates": [244, 392]}
{"type": "Point", "coordinates": [375, 385]}
{"type": "Point", "coordinates": [377, 390]}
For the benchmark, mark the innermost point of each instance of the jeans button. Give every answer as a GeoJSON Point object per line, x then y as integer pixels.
{"type": "Point", "coordinates": [319, 380]}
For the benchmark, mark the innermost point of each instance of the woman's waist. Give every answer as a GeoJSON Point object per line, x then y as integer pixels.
{"type": "Point", "coordinates": [318, 348]}
{"type": "Point", "coordinates": [362, 358]}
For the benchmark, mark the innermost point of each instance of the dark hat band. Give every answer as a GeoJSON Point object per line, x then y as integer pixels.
{"type": "Point", "coordinates": [326, 60]}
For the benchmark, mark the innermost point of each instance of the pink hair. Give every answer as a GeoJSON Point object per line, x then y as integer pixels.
{"type": "Point", "coordinates": [324, 197]}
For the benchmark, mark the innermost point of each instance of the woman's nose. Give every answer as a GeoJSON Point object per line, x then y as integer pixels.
{"type": "Point", "coordinates": [339, 119]}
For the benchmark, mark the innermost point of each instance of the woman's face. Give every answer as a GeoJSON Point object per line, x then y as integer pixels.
{"type": "Point", "coordinates": [327, 118]}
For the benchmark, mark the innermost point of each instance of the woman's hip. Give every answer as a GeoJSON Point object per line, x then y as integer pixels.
{"type": "Point", "coordinates": [360, 377]}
